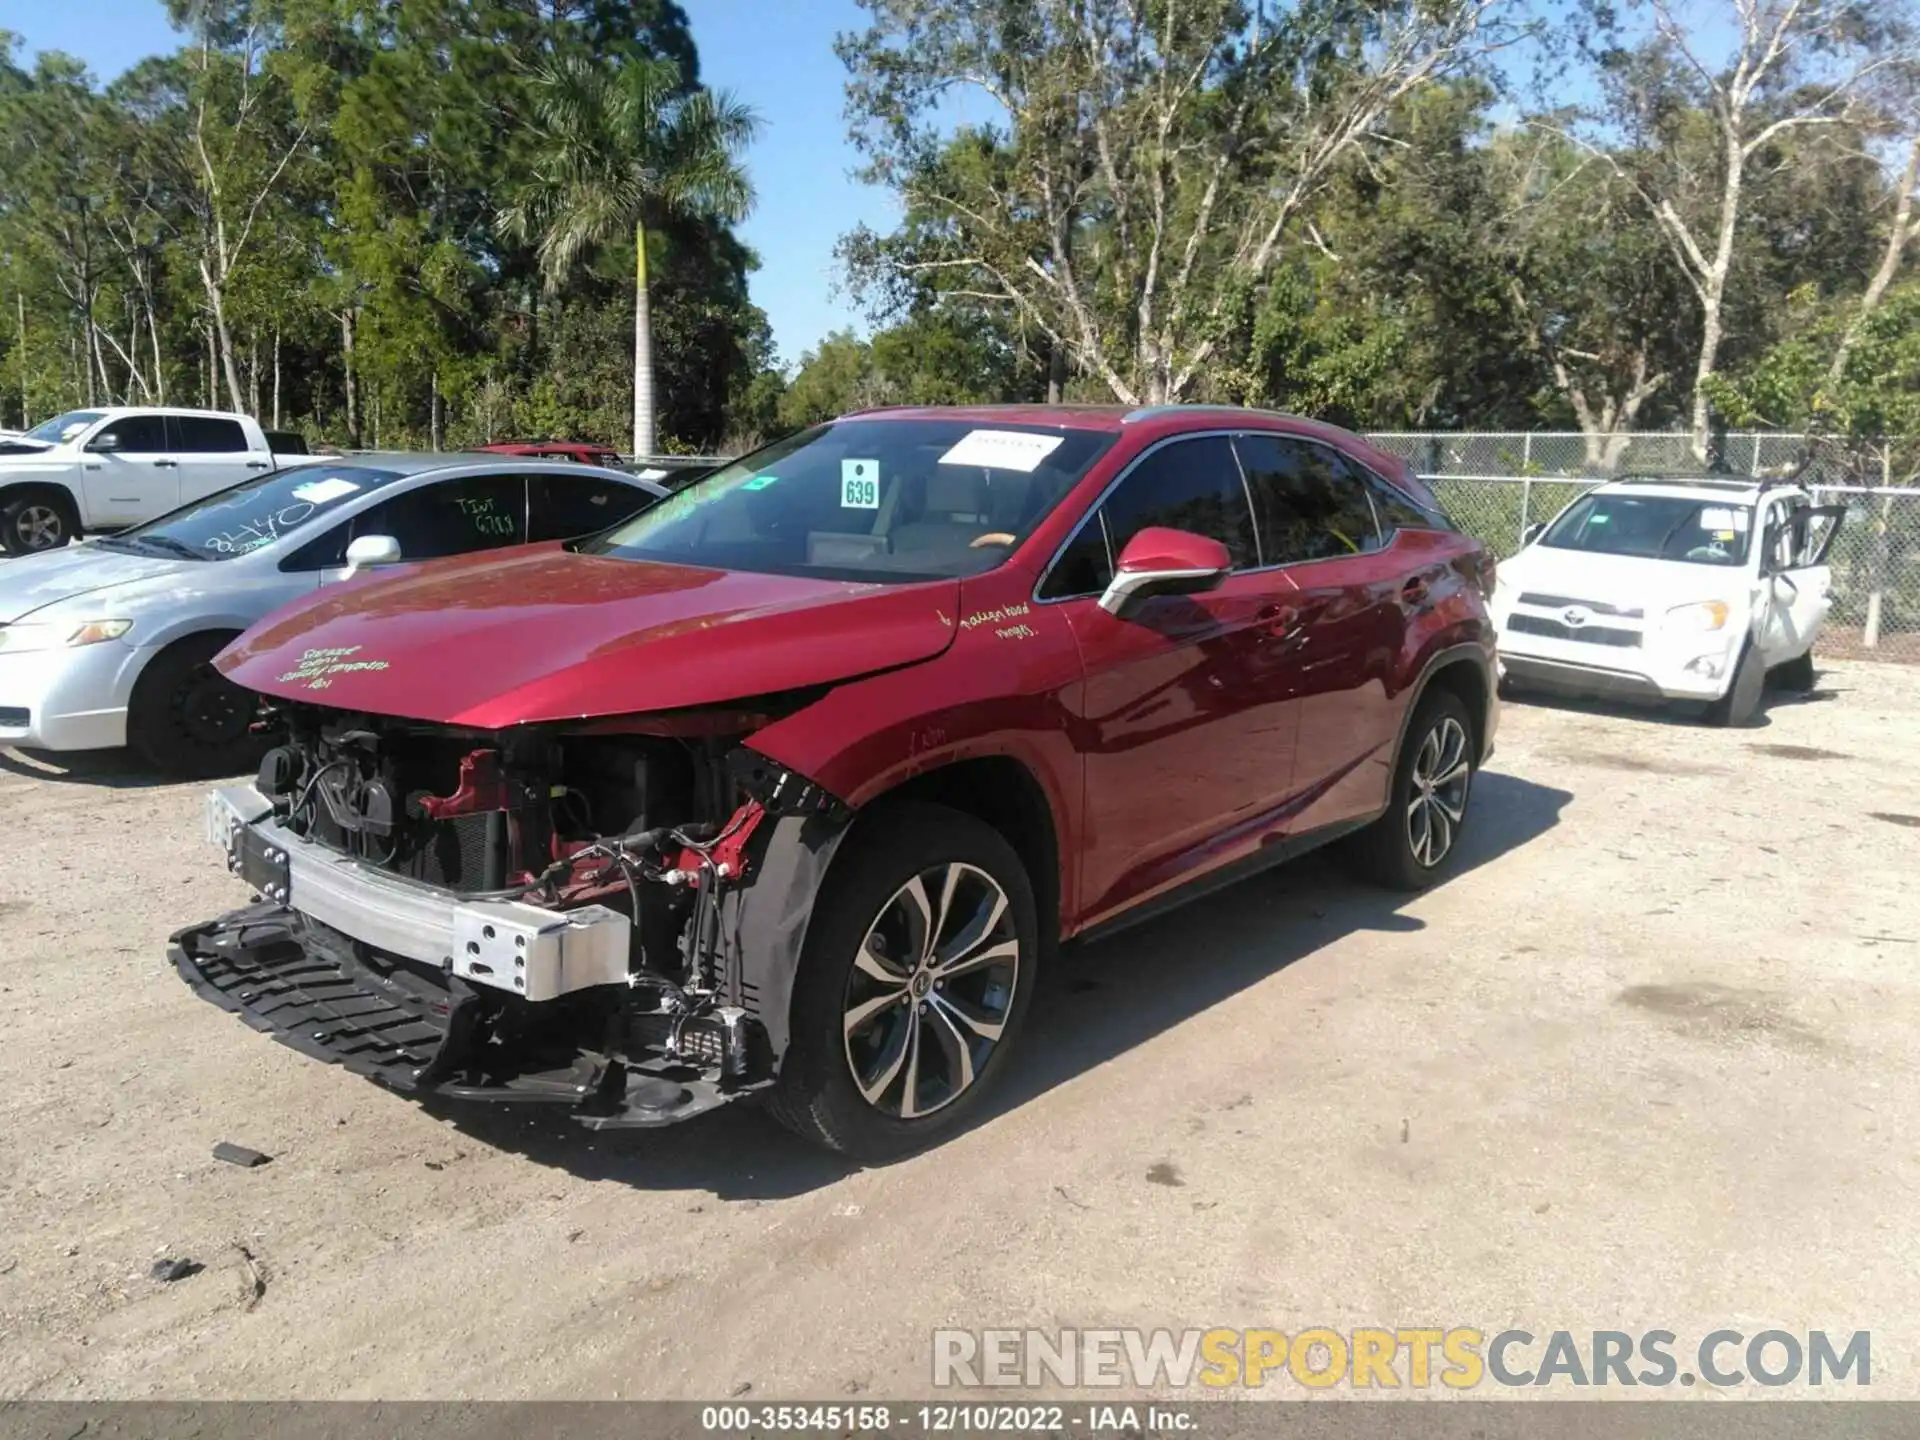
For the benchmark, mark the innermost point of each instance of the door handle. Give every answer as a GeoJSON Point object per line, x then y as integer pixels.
{"type": "Point", "coordinates": [166, 464]}
{"type": "Point", "coordinates": [1280, 623]}
{"type": "Point", "coordinates": [256, 464]}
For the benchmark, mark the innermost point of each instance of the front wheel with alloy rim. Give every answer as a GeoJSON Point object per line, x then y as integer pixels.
{"type": "Point", "coordinates": [919, 964]}
{"type": "Point", "coordinates": [1413, 844]}
{"type": "Point", "coordinates": [32, 524]}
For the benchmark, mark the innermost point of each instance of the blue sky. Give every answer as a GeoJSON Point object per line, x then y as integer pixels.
{"type": "Point", "coordinates": [777, 54]}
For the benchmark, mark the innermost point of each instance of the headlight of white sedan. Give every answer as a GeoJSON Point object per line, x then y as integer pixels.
{"type": "Point", "coordinates": [50, 635]}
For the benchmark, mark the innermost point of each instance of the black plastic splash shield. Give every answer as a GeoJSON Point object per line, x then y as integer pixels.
{"type": "Point", "coordinates": [317, 997]}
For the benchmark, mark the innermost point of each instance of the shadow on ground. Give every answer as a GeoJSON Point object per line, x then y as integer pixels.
{"type": "Point", "coordinates": [109, 769]}
{"type": "Point", "coordinates": [1097, 1002]}
{"type": "Point", "coordinates": [1684, 714]}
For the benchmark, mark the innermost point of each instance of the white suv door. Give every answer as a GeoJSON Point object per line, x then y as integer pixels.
{"type": "Point", "coordinates": [1796, 583]}
{"type": "Point", "coordinates": [212, 453]}
{"type": "Point", "coordinates": [128, 473]}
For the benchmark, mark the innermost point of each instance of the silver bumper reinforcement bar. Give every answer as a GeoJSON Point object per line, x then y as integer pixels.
{"type": "Point", "coordinates": [505, 944]}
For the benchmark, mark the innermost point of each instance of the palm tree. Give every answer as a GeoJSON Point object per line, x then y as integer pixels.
{"type": "Point", "coordinates": [619, 146]}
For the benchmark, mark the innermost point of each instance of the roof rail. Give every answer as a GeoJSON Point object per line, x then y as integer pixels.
{"type": "Point", "coordinates": [1150, 412]}
{"type": "Point", "coordinates": [1757, 484]}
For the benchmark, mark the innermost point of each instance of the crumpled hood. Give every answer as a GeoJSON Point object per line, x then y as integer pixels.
{"type": "Point", "coordinates": [545, 634]}
{"type": "Point", "coordinates": [34, 582]}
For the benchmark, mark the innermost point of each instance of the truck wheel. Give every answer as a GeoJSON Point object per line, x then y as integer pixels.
{"type": "Point", "coordinates": [1413, 844]}
{"type": "Point", "coordinates": [920, 962]}
{"type": "Point", "coordinates": [188, 719]}
{"type": "Point", "coordinates": [1796, 675]}
{"type": "Point", "coordinates": [32, 523]}
{"type": "Point", "coordinates": [1740, 706]}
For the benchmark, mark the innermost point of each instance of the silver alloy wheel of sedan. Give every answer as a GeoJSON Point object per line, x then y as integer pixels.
{"type": "Point", "coordinates": [1437, 803]}
{"type": "Point", "coordinates": [38, 527]}
{"type": "Point", "coordinates": [930, 990]}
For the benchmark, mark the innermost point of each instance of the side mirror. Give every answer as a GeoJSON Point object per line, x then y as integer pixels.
{"type": "Point", "coordinates": [371, 550]}
{"type": "Point", "coordinates": [1162, 561]}
{"type": "Point", "coordinates": [104, 443]}
{"type": "Point", "coordinates": [1532, 533]}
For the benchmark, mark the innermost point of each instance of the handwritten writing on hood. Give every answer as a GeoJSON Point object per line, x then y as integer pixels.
{"type": "Point", "coordinates": [318, 667]}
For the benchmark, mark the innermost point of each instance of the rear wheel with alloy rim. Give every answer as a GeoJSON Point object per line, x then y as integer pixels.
{"type": "Point", "coordinates": [919, 965]}
{"type": "Point", "coordinates": [1412, 845]}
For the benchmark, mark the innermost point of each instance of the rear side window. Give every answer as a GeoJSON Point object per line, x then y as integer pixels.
{"type": "Point", "coordinates": [204, 435]}
{"type": "Point", "coordinates": [565, 507]}
{"type": "Point", "coordinates": [143, 434]}
{"type": "Point", "coordinates": [1312, 505]}
{"type": "Point", "coordinates": [1395, 508]}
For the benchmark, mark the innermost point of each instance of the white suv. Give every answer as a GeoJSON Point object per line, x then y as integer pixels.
{"type": "Point", "coordinates": [1671, 590]}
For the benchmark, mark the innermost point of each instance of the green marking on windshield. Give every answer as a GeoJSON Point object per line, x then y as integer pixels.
{"type": "Point", "coordinates": [759, 482]}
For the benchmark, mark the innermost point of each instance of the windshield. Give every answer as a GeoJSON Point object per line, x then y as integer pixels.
{"type": "Point", "coordinates": [1654, 527]}
{"type": "Point", "coordinates": [880, 499]}
{"type": "Point", "coordinates": [64, 427]}
{"type": "Point", "coordinates": [251, 514]}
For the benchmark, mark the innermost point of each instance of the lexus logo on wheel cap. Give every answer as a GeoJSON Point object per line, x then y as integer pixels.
{"type": "Point", "coordinates": [1574, 616]}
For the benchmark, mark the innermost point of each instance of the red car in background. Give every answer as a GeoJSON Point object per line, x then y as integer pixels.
{"type": "Point", "coordinates": [583, 452]}
{"type": "Point", "coordinates": [790, 785]}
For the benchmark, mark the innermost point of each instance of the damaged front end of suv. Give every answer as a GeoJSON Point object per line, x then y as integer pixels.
{"type": "Point", "coordinates": [556, 912]}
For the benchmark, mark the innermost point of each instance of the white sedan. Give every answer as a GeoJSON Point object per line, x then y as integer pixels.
{"type": "Point", "coordinates": [1671, 590]}
{"type": "Point", "coordinates": [110, 642]}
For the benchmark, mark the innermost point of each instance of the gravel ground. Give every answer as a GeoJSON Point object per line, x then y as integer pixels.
{"type": "Point", "coordinates": [1648, 1062]}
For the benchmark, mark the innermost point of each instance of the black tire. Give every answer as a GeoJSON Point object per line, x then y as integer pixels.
{"type": "Point", "coordinates": [1740, 706]}
{"type": "Point", "coordinates": [1387, 852]}
{"type": "Point", "coordinates": [817, 1095]}
{"type": "Point", "coordinates": [1796, 675]}
{"type": "Point", "coordinates": [189, 720]}
{"type": "Point", "coordinates": [37, 521]}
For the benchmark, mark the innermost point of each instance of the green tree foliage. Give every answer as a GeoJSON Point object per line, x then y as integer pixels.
{"type": "Point", "coordinates": [621, 147]}
{"type": "Point", "coordinates": [1352, 212]}
{"type": "Point", "coordinates": [1150, 164]}
{"type": "Point", "coordinates": [299, 212]}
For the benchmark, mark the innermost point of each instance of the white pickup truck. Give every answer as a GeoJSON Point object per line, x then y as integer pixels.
{"type": "Point", "coordinates": [108, 468]}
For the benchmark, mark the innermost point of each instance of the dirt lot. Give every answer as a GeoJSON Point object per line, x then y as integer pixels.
{"type": "Point", "coordinates": [1649, 1062]}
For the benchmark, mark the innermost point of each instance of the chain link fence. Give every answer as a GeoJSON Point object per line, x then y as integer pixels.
{"type": "Point", "coordinates": [1569, 453]}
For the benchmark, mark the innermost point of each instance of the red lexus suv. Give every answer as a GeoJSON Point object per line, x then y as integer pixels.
{"type": "Point", "coordinates": [790, 785]}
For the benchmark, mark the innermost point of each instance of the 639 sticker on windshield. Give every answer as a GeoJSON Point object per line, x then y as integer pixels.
{"type": "Point", "coordinates": [859, 484]}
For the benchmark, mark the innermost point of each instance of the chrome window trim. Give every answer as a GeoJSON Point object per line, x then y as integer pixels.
{"type": "Point", "coordinates": [1259, 539]}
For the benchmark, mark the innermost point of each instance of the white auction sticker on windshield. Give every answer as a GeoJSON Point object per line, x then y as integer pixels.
{"type": "Point", "coordinates": [1002, 450]}
{"type": "Point", "coordinates": [319, 492]}
{"type": "Point", "coordinates": [859, 484]}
